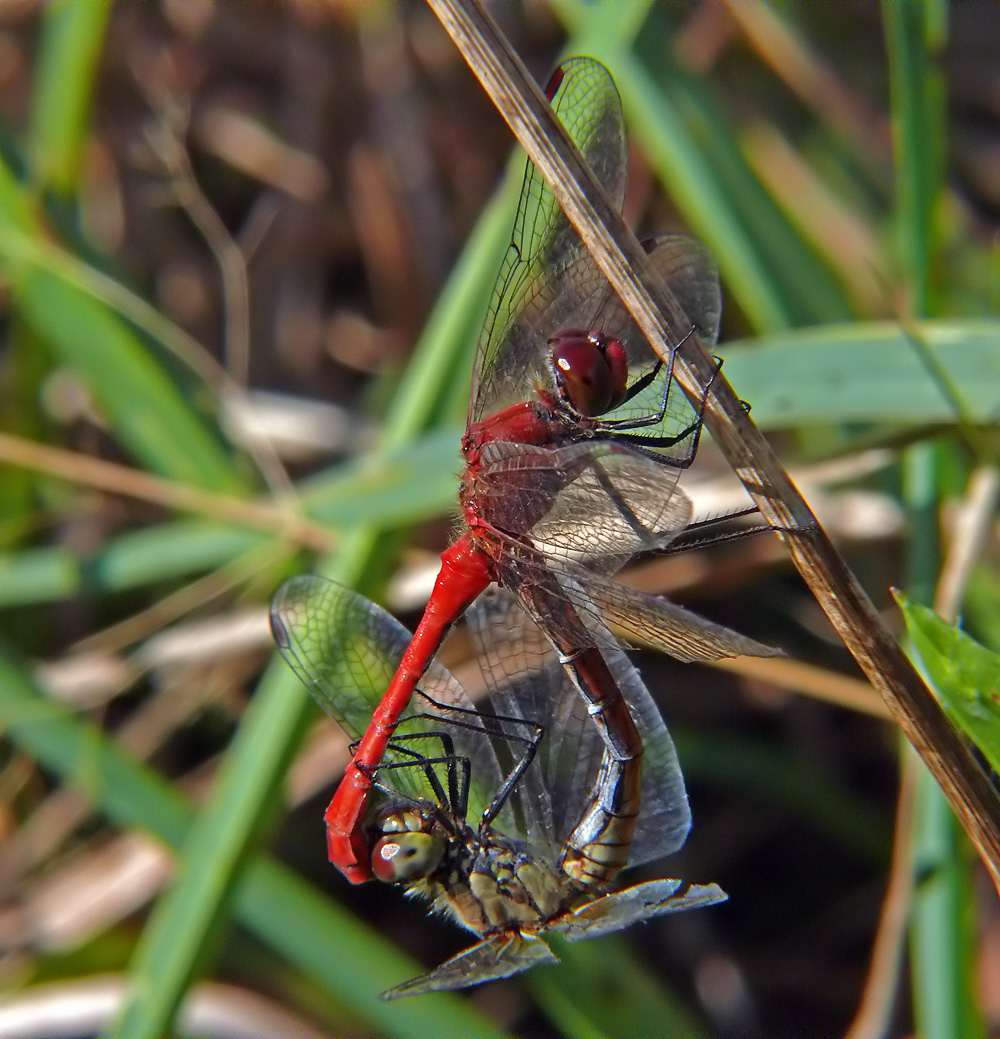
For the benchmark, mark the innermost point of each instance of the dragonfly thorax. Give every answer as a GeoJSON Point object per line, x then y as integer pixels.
{"type": "Point", "coordinates": [483, 880]}
{"type": "Point", "coordinates": [590, 371]}
{"type": "Point", "coordinates": [489, 883]}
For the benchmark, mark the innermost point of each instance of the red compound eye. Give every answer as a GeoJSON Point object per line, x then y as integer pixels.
{"type": "Point", "coordinates": [591, 371]}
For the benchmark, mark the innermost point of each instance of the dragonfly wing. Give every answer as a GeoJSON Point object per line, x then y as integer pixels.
{"type": "Point", "coordinates": [547, 280]}
{"type": "Point", "coordinates": [345, 649]}
{"type": "Point", "coordinates": [621, 909]}
{"type": "Point", "coordinates": [522, 671]}
{"type": "Point", "coordinates": [664, 817]}
{"type": "Point", "coordinates": [649, 620]}
{"type": "Point", "coordinates": [660, 624]}
{"type": "Point", "coordinates": [497, 957]}
{"type": "Point", "coordinates": [692, 275]}
{"type": "Point", "coordinates": [594, 502]}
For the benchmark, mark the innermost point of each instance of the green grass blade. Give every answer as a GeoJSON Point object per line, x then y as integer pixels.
{"type": "Point", "coordinates": [941, 931]}
{"type": "Point", "coordinates": [285, 912]}
{"type": "Point", "coordinates": [918, 126]}
{"type": "Point", "coordinates": [965, 676]}
{"type": "Point", "coordinates": [942, 928]}
{"type": "Point", "coordinates": [826, 376]}
{"type": "Point", "coordinates": [64, 84]}
{"type": "Point", "coordinates": [169, 951]}
{"type": "Point", "coordinates": [868, 373]}
{"type": "Point", "coordinates": [143, 405]}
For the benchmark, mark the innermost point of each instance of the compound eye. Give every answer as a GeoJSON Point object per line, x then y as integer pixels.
{"type": "Point", "coordinates": [590, 370]}
{"type": "Point", "coordinates": [406, 856]}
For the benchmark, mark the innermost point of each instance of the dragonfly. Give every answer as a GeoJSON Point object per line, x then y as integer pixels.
{"type": "Point", "coordinates": [576, 436]}
{"type": "Point", "coordinates": [477, 808]}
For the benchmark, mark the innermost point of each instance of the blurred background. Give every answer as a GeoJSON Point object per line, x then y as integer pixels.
{"type": "Point", "coordinates": [245, 250]}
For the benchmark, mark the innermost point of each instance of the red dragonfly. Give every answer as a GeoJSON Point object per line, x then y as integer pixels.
{"type": "Point", "coordinates": [494, 847]}
{"type": "Point", "coordinates": [576, 437]}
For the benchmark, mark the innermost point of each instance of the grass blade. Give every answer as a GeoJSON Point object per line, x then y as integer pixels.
{"type": "Point", "coordinates": [67, 63]}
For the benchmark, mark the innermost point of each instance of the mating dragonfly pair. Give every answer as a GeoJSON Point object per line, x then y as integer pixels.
{"type": "Point", "coordinates": [515, 814]}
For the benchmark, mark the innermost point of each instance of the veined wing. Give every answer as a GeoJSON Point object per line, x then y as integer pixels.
{"type": "Point", "coordinates": [621, 909]}
{"type": "Point", "coordinates": [692, 275]}
{"type": "Point", "coordinates": [586, 301]}
{"type": "Point", "coordinates": [345, 649]}
{"type": "Point", "coordinates": [492, 959]}
{"type": "Point", "coordinates": [649, 620]}
{"type": "Point", "coordinates": [546, 273]}
{"type": "Point", "coordinates": [513, 952]}
{"type": "Point", "coordinates": [657, 623]}
{"type": "Point", "coordinates": [595, 502]}
{"type": "Point", "coordinates": [526, 680]}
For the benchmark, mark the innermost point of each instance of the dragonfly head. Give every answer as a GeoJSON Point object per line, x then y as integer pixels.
{"type": "Point", "coordinates": [408, 849]}
{"type": "Point", "coordinates": [590, 370]}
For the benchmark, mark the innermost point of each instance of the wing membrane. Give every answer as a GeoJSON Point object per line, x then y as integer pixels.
{"type": "Point", "coordinates": [546, 273]}
{"type": "Point", "coordinates": [621, 909]}
{"type": "Point", "coordinates": [593, 501]}
{"type": "Point", "coordinates": [497, 957]}
{"type": "Point", "coordinates": [345, 649]}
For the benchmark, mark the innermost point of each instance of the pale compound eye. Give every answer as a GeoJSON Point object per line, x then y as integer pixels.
{"type": "Point", "coordinates": [406, 856]}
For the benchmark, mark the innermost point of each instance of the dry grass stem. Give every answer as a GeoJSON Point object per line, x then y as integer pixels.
{"type": "Point", "coordinates": [132, 483]}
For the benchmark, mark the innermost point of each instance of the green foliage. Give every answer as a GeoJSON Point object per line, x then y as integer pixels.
{"type": "Point", "coordinates": [964, 674]}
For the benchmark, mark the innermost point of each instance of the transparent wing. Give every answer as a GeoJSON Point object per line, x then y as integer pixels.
{"type": "Point", "coordinates": [345, 649]}
{"type": "Point", "coordinates": [649, 620]}
{"type": "Point", "coordinates": [591, 304]}
{"type": "Point", "coordinates": [656, 622]}
{"type": "Point", "coordinates": [549, 283]}
{"type": "Point", "coordinates": [546, 273]}
{"type": "Point", "coordinates": [525, 679]}
{"type": "Point", "coordinates": [497, 957]}
{"type": "Point", "coordinates": [621, 909]}
{"type": "Point", "coordinates": [570, 760]}
{"type": "Point", "coordinates": [512, 952]}
{"type": "Point", "coordinates": [594, 502]}
{"type": "Point", "coordinates": [692, 275]}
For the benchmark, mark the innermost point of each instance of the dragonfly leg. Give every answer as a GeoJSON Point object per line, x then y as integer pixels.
{"type": "Point", "coordinates": [456, 797]}
{"type": "Point", "coordinates": [691, 433]}
{"type": "Point", "coordinates": [494, 725]}
{"type": "Point", "coordinates": [464, 574]}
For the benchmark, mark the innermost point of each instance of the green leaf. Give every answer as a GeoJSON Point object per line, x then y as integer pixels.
{"type": "Point", "coordinates": [872, 373]}
{"type": "Point", "coordinates": [964, 674]}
